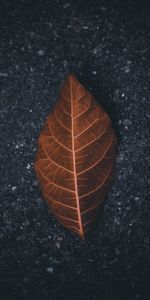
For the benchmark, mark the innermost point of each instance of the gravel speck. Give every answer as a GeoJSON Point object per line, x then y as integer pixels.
{"type": "Point", "coordinates": [94, 72]}
{"type": "Point", "coordinates": [14, 188]}
{"type": "Point", "coordinates": [41, 53]}
{"type": "Point", "coordinates": [28, 166]}
{"type": "Point", "coordinates": [50, 270]}
{"type": "Point", "coordinates": [57, 245]}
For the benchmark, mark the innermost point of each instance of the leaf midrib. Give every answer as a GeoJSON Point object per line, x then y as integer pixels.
{"type": "Point", "coordinates": [74, 167]}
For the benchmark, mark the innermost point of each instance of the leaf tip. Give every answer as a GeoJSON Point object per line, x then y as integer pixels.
{"type": "Point", "coordinates": [72, 81]}
{"type": "Point", "coordinates": [71, 76]}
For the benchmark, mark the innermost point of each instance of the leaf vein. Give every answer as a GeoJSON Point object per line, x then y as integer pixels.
{"type": "Point", "coordinates": [99, 186]}
{"type": "Point", "coordinates": [50, 159]}
{"type": "Point", "coordinates": [58, 142]}
{"type": "Point", "coordinates": [98, 161]}
{"type": "Point", "coordinates": [53, 183]}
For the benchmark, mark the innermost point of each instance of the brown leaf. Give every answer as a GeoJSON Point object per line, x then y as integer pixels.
{"type": "Point", "coordinates": [75, 157]}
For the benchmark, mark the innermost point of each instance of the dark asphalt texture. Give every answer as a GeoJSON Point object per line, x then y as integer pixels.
{"type": "Point", "coordinates": [106, 44]}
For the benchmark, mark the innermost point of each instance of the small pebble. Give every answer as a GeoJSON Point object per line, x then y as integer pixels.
{"type": "Point", "coordinates": [57, 245]}
{"type": "Point", "coordinates": [126, 69]}
{"type": "Point", "coordinates": [85, 27]}
{"type": "Point", "coordinates": [94, 72]}
{"type": "Point", "coordinates": [14, 188]}
{"type": "Point", "coordinates": [50, 270]}
{"type": "Point", "coordinates": [137, 198]}
{"type": "Point", "coordinates": [41, 53]}
{"type": "Point", "coordinates": [28, 166]}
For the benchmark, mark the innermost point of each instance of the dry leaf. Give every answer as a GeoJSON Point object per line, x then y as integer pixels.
{"type": "Point", "coordinates": [75, 157]}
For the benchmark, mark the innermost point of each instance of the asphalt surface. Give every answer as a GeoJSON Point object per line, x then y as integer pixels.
{"type": "Point", "coordinates": [106, 44]}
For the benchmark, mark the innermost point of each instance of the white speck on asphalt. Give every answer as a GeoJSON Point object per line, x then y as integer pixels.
{"type": "Point", "coordinates": [28, 166]}
{"type": "Point", "coordinates": [14, 188]}
{"type": "Point", "coordinates": [41, 53]}
{"type": "Point", "coordinates": [50, 270]}
{"type": "Point", "coordinates": [94, 72]}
